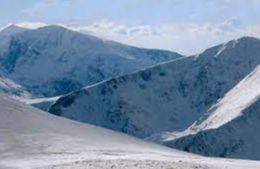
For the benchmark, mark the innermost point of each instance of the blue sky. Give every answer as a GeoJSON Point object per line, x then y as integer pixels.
{"type": "Point", "coordinates": [167, 24]}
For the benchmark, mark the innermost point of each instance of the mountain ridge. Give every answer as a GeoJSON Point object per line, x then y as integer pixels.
{"type": "Point", "coordinates": [177, 93]}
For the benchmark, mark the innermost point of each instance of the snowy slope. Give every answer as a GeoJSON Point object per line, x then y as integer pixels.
{"type": "Point", "coordinates": [237, 139]}
{"type": "Point", "coordinates": [52, 60]}
{"type": "Point", "coordinates": [231, 128]}
{"type": "Point", "coordinates": [30, 138]}
{"type": "Point", "coordinates": [164, 98]}
{"type": "Point", "coordinates": [234, 102]}
{"type": "Point", "coordinates": [13, 89]}
{"type": "Point", "coordinates": [29, 134]}
{"type": "Point", "coordinates": [41, 103]}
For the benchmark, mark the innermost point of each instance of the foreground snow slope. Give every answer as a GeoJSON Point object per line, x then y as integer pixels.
{"type": "Point", "coordinates": [167, 97]}
{"type": "Point", "coordinates": [231, 129]}
{"type": "Point", "coordinates": [28, 134]}
{"type": "Point", "coordinates": [30, 138]}
{"type": "Point", "coordinates": [53, 60]}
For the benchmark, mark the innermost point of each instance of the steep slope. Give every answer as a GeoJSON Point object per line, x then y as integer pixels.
{"type": "Point", "coordinates": [231, 128]}
{"type": "Point", "coordinates": [8, 86]}
{"type": "Point", "coordinates": [30, 138]}
{"type": "Point", "coordinates": [168, 97]}
{"type": "Point", "coordinates": [236, 100]}
{"type": "Point", "coordinates": [52, 60]}
{"type": "Point", "coordinates": [6, 35]}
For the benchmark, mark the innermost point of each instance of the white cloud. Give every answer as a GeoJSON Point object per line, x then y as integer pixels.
{"type": "Point", "coordinates": [253, 30]}
{"type": "Point", "coordinates": [31, 25]}
{"type": "Point", "coordinates": [183, 38]}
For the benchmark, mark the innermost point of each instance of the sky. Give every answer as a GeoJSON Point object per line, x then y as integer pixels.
{"type": "Point", "coordinates": [185, 26]}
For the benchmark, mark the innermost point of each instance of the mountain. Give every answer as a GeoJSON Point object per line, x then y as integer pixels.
{"type": "Point", "coordinates": [53, 60]}
{"type": "Point", "coordinates": [168, 97]}
{"type": "Point", "coordinates": [231, 128]}
{"type": "Point", "coordinates": [30, 138]}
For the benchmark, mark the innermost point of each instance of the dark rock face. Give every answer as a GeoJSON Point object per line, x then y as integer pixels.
{"type": "Point", "coordinates": [16, 49]}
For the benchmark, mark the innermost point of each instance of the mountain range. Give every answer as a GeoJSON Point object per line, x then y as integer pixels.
{"type": "Point", "coordinates": [172, 97]}
{"type": "Point", "coordinates": [208, 103]}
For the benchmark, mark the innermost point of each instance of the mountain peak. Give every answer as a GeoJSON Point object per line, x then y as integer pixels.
{"type": "Point", "coordinates": [248, 38]}
{"type": "Point", "coordinates": [59, 29]}
{"type": "Point", "coordinates": [244, 42]}
{"type": "Point", "coordinates": [12, 29]}
{"type": "Point", "coordinates": [240, 45]}
{"type": "Point", "coordinates": [54, 27]}
{"type": "Point", "coordinates": [12, 26]}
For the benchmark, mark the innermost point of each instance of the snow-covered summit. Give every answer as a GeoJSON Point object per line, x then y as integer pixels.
{"type": "Point", "coordinates": [11, 30]}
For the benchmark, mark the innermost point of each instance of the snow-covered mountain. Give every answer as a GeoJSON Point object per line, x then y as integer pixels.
{"type": "Point", "coordinates": [231, 128]}
{"type": "Point", "coordinates": [165, 98]}
{"type": "Point", "coordinates": [30, 138]}
{"type": "Point", "coordinates": [53, 60]}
